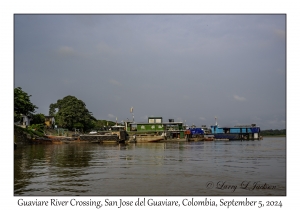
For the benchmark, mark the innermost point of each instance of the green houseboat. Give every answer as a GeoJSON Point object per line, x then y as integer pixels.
{"type": "Point", "coordinates": [154, 130]}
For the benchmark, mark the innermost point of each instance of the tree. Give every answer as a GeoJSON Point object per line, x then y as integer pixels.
{"type": "Point", "coordinates": [99, 124]}
{"type": "Point", "coordinates": [71, 113]}
{"type": "Point", "coordinates": [22, 104]}
{"type": "Point", "coordinates": [38, 119]}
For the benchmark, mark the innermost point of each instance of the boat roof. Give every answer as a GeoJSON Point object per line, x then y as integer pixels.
{"type": "Point", "coordinates": [237, 126]}
{"type": "Point", "coordinates": [164, 123]}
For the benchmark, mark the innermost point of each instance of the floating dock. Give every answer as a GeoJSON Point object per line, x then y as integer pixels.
{"type": "Point", "coordinates": [105, 137]}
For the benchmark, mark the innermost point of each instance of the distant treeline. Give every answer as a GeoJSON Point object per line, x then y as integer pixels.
{"type": "Point", "coordinates": [272, 132]}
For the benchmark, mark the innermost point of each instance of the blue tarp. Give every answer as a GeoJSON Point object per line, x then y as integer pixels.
{"type": "Point", "coordinates": [195, 131]}
{"type": "Point", "coordinates": [255, 130]}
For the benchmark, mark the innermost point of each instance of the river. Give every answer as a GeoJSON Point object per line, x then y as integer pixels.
{"type": "Point", "coordinates": [152, 169]}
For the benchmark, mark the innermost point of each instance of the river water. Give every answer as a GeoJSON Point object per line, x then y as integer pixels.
{"type": "Point", "coordinates": [153, 169]}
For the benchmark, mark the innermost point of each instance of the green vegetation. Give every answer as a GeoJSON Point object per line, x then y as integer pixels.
{"type": "Point", "coordinates": [22, 104]}
{"type": "Point", "coordinates": [71, 113]}
{"type": "Point", "coordinates": [31, 130]}
{"type": "Point", "coordinates": [36, 129]}
{"type": "Point", "coordinates": [38, 119]}
{"type": "Point", "coordinates": [272, 132]}
{"type": "Point", "coordinates": [99, 124]}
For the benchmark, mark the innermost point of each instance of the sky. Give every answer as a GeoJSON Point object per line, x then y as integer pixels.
{"type": "Point", "coordinates": [187, 67]}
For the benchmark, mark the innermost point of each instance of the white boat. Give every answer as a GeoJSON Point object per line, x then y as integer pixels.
{"type": "Point", "coordinates": [93, 132]}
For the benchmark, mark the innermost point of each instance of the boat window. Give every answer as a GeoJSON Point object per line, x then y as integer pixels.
{"type": "Point", "coordinates": [158, 121]}
{"type": "Point", "coordinates": [226, 130]}
{"type": "Point", "coordinates": [133, 127]}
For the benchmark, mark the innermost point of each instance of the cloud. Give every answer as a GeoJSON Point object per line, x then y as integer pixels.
{"type": "Point", "coordinates": [280, 33]}
{"type": "Point", "coordinates": [256, 118]}
{"type": "Point", "coordinates": [185, 97]}
{"type": "Point", "coordinates": [69, 81]}
{"type": "Point", "coordinates": [115, 82]}
{"type": "Point", "coordinates": [111, 116]}
{"type": "Point", "coordinates": [179, 119]}
{"type": "Point", "coordinates": [281, 72]}
{"type": "Point", "coordinates": [106, 49]}
{"type": "Point", "coordinates": [276, 121]}
{"type": "Point", "coordinates": [145, 118]}
{"type": "Point", "coordinates": [116, 97]}
{"type": "Point", "coordinates": [239, 98]}
{"type": "Point", "coordinates": [65, 50]}
{"type": "Point", "coordinates": [109, 52]}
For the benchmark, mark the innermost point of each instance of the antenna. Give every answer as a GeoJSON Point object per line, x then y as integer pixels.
{"type": "Point", "coordinates": [131, 111]}
{"type": "Point", "coordinates": [216, 120]}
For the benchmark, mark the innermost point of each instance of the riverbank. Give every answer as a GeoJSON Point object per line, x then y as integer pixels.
{"type": "Point", "coordinates": [24, 136]}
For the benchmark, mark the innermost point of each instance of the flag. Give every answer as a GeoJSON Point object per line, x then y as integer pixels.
{"type": "Point", "coordinates": [131, 109]}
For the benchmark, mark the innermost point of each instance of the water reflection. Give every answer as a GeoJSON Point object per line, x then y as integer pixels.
{"type": "Point", "coordinates": [181, 168]}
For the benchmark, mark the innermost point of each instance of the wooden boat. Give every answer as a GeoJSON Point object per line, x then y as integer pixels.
{"type": "Point", "coordinates": [209, 137]}
{"type": "Point", "coordinates": [196, 138]}
{"type": "Point", "coordinates": [140, 138]}
{"type": "Point", "coordinates": [101, 138]}
{"type": "Point", "coordinates": [221, 139]}
{"type": "Point", "coordinates": [115, 135]}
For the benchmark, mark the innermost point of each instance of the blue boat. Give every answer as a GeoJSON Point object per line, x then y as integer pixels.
{"type": "Point", "coordinates": [238, 132]}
